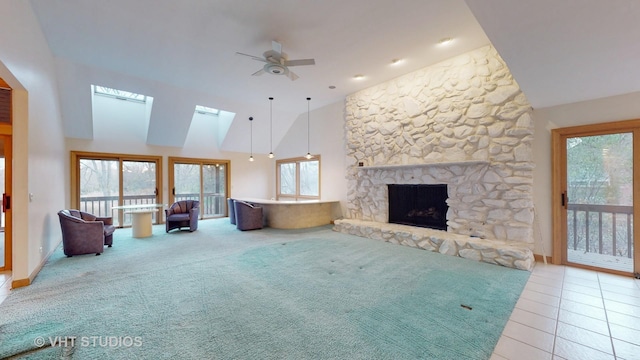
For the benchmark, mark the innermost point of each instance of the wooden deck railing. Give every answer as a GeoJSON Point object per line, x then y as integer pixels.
{"type": "Point", "coordinates": [600, 229]}
{"type": "Point", "coordinates": [214, 204]}
{"type": "Point", "coordinates": [101, 205]}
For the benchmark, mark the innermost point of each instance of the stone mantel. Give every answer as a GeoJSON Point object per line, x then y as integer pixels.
{"type": "Point", "coordinates": [434, 164]}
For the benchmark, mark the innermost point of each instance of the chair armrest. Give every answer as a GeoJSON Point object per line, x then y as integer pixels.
{"type": "Point", "coordinates": [88, 229]}
{"type": "Point", "coordinates": [105, 220]}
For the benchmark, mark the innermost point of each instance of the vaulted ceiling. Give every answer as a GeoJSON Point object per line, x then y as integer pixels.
{"type": "Point", "coordinates": [183, 53]}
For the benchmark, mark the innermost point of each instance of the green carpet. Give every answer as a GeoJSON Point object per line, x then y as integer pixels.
{"type": "Point", "coordinates": [219, 293]}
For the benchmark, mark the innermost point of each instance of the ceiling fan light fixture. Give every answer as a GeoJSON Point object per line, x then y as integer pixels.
{"type": "Point", "coordinates": [277, 62]}
{"type": "Point", "coordinates": [275, 69]}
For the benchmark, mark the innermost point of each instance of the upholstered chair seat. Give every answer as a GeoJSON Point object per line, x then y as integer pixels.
{"type": "Point", "coordinates": [248, 216]}
{"type": "Point", "coordinates": [84, 233]}
{"type": "Point", "coordinates": [181, 214]}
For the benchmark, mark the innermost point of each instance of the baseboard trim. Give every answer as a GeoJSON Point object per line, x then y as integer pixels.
{"type": "Point", "coordinates": [26, 282]}
{"type": "Point", "coordinates": [540, 258]}
{"type": "Point", "coordinates": [20, 283]}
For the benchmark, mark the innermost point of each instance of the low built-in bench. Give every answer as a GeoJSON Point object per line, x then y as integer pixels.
{"type": "Point", "coordinates": [513, 255]}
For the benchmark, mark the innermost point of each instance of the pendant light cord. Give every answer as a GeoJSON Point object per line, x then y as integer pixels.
{"type": "Point", "coordinates": [308, 127]}
{"type": "Point", "coordinates": [271, 125]}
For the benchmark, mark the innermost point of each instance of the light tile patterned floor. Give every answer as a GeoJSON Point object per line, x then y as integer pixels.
{"type": "Point", "coordinates": [563, 313]}
{"type": "Point", "coordinates": [5, 284]}
{"type": "Point", "coordinates": [570, 313]}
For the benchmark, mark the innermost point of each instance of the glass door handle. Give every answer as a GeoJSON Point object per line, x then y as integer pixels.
{"type": "Point", "coordinates": [6, 202]}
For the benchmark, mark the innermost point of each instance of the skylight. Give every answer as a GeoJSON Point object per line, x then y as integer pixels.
{"type": "Point", "coordinates": [119, 94]}
{"type": "Point", "coordinates": [203, 110]}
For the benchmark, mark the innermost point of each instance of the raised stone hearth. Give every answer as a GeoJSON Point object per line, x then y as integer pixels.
{"type": "Point", "coordinates": [509, 254]}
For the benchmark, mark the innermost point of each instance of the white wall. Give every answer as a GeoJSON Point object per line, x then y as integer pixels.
{"type": "Point", "coordinates": [38, 146]}
{"type": "Point", "coordinates": [623, 107]}
{"type": "Point", "coordinates": [326, 138]}
{"type": "Point", "coordinates": [121, 127]}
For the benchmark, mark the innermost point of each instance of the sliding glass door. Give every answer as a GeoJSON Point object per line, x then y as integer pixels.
{"type": "Point", "coordinates": [5, 217]}
{"type": "Point", "coordinates": [202, 180]}
{"type": "Point", "coordinates": [595, 196]}
{"type": "Point", "coordinates": [99, 185]}
{"type": "Point", "coordinates": [103, 181]}
{"type": "Point", "coordinates": [599, 201]}
{"type": "Point", "coordinates": [139, 186]}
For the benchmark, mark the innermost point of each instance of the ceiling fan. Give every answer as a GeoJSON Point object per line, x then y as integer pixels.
{"type": "Point", "coordinates": [276, 62]}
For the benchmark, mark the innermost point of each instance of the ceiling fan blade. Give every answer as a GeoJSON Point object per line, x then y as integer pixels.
{"type": "Point", "coordinates": [258, 73]}
{"type": "Point", "coordinates": [300, 62]}
{"type": "Point", "coordinates": [251, 56]}
{"type": "Point", "coordinates": [276, 46]}
{"type": "Point", "coordinates": [291, 75]}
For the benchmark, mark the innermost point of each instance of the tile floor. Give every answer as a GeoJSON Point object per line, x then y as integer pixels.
{"type": "Point", "coordinates": [570, 313]}
{"type": "Point", "coordinates": [563, 313]}
{"type": "Point", "coordinates": [5, 284]}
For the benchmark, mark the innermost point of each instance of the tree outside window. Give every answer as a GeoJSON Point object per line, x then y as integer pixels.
{"type": "Point", "coordinates": [298, 179]}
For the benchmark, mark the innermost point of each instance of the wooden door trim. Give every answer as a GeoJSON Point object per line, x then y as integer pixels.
{"type": "Point", "coordinates": [8, 217]}
{"type": "Point", "coordinates": [559, 181]}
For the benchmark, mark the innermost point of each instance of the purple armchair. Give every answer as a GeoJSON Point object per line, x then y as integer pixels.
{"type": "Point", "coordinates": [84, 233]}
{"type": "Point", "coordinates": [181, 214]}
{"type": "Point", "coordinates": [248, 216]}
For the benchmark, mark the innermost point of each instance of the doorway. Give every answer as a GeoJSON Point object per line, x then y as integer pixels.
{"type": "Point", "coordinates": [205, 180]}
{"type": "Point", "coordinates": [101, 181]}
{"type": "Point", "coordinates": [5, 175]}
{"type": "Point", "coordinates": [595, 196]}
{"type": "Point", "coordinates": [5, 215]}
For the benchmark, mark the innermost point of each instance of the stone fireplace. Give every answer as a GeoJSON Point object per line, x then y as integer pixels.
{"type": "Point", "coordinates": [463, 123]}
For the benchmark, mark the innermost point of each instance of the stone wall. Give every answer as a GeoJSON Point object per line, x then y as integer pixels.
{"type": "Point", "coordinates": [463, 122]}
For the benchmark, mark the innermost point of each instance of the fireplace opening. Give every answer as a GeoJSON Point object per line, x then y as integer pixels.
{"type": "Point", "coordinates": [423, 205]}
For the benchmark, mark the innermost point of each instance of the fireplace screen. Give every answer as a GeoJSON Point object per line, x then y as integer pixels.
{"type": "Point", "coordinates": [419, 205]}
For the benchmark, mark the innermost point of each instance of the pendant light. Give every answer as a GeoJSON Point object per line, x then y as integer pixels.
{"type": "Point", "coordinates": [308, 156]}
{"type": "Point", "coordinates": [271, 128]}
{"type": "Point", "coordinates": [251, 138]}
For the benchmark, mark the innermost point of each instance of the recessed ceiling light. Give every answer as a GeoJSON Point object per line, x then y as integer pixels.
{"type": "Point", "coordinates": [397, 61]}
{"type": "Point", "coordinates": [358, 77]}
{"type": "Point", "coordinates": [332, 87]}
{"type": "Point", "coordinates": [445, 41]}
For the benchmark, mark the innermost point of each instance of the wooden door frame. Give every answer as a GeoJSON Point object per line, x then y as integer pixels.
{"type": "Point", "coordinates": [559, 183]}
{"type": "Point", "coordinates": [173, 160]}
{"type": "Point", "coordinates": [6, 132]}
{"type": "Point", "coordinates": [8, 175]}
{"type": "Point", "coordinates": [76, 156]}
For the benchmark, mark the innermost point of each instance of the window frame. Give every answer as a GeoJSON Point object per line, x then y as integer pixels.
{"type": "Point", "coordinates": [77, 156]}
{"type": "Point", "coordinates": [297, 196]}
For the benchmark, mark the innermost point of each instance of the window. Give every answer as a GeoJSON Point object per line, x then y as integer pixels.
{"type": "Point", "coordinates": [298, 178]}
{"type": "Point", "coordinates": [203, 110]}
{"type": "Point", "coordinates": [119, 94]}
